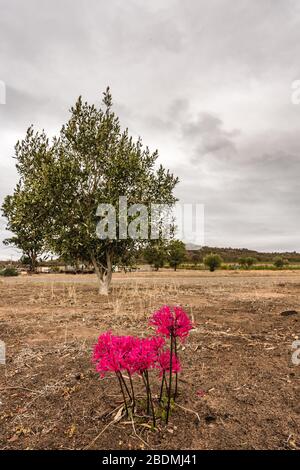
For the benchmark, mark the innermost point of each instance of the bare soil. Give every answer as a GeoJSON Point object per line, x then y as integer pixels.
{"type": "Point", "coordinates": [238, 358]}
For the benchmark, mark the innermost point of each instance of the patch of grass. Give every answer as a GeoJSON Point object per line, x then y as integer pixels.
{"type": "Point", "coordinates": [9, 272]}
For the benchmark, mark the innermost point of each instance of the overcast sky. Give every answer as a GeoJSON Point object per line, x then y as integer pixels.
{"type": "Point", "coordinates": [208, 83]}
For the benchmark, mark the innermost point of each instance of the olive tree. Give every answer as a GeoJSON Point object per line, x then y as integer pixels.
{"type": "Point", "coordinates": [92, 161]}
{"type": "Point", "coordinates": [25, 210]}
{"type": "Point", "coordinates": [96, 162]}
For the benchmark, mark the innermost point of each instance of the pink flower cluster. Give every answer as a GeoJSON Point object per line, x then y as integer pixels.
{"type": "Point", "coordinates": [171, 321]}
{"type": "Point", "coordinates": [131, 354]}
{"type": "Point", "coordinates": [135, 355]}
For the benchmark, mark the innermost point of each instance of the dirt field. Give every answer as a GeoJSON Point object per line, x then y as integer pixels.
{"type": "Point", "coordinates": [239, 355]}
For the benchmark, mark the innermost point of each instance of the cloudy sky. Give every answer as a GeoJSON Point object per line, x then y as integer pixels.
{"type": "Point", "coordinates": [208, 83]}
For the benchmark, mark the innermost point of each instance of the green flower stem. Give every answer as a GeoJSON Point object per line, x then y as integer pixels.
{"type": "Point", "coordinates": [146, 386]}
{"type": "Point", "coordinates": [176, 374]}
{"type": "Point", "coordinates": [162, 385]}
{"type": "Point", "coordinates": [125, 385]}
{"type": "Point", "coordinates": [132, 391]}
{"type": "Point", "coordinates": [170, 380]}
{"type": "Point", "coordinates": [123, 393]}
{"type": "Point", "coordinates": [150, 396]}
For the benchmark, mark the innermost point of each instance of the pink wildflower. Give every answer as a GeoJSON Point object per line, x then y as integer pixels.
{"type": "Point", "coordinates": [144, 354]}
{"type": "Point", "coordinates": [102, 347]}
{"type": "Point", "coordinates": [163, 363]}
{"type": "Point", "coordinates": [111, 353]}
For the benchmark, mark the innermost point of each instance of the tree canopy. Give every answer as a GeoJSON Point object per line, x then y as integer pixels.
{"type": "Point", "coordinates": [176, 253]}
{"type": "Point", "coordinates": [156, 254]}
{"type": "Point", "coordinates": [25, 209]}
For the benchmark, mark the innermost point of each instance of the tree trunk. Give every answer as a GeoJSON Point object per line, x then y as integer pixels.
{"type": "Point", "coordinates": [104, 274]}
{"type": "Point", "coordinates": [33, 262]}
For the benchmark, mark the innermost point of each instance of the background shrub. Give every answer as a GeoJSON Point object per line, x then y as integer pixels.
{"type": "Point", "coordinates": [212, 261]}
{"type": "Point", "coordinates": [7, 272]}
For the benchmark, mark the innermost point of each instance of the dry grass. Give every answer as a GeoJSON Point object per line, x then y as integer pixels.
{"type": "Point", "coordinates": [239, 355]}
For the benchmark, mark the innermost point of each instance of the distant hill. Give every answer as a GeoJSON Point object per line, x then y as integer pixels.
{"type": "Point", "coordinates": [232, 255]}
{"type": "Point", "coordinates": [229, 255]}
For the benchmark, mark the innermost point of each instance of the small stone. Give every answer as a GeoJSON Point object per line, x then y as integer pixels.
{"type": "Point", "coordinates": [288, 313]}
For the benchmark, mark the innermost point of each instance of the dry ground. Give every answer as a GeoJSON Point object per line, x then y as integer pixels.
{"type": "Point", "coordinates": [239, 355]}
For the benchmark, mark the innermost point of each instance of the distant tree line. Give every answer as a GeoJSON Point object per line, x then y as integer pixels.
{"type": "Point", "coordinates": [233, 255]}
{"type": "Point", "coordinates": [163, 253]}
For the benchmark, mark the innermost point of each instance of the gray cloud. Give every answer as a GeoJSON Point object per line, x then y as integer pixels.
{"type": "Point", "coordinates": [207, 83]}
{"type": "Point", "coordinates": [209, 137]}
